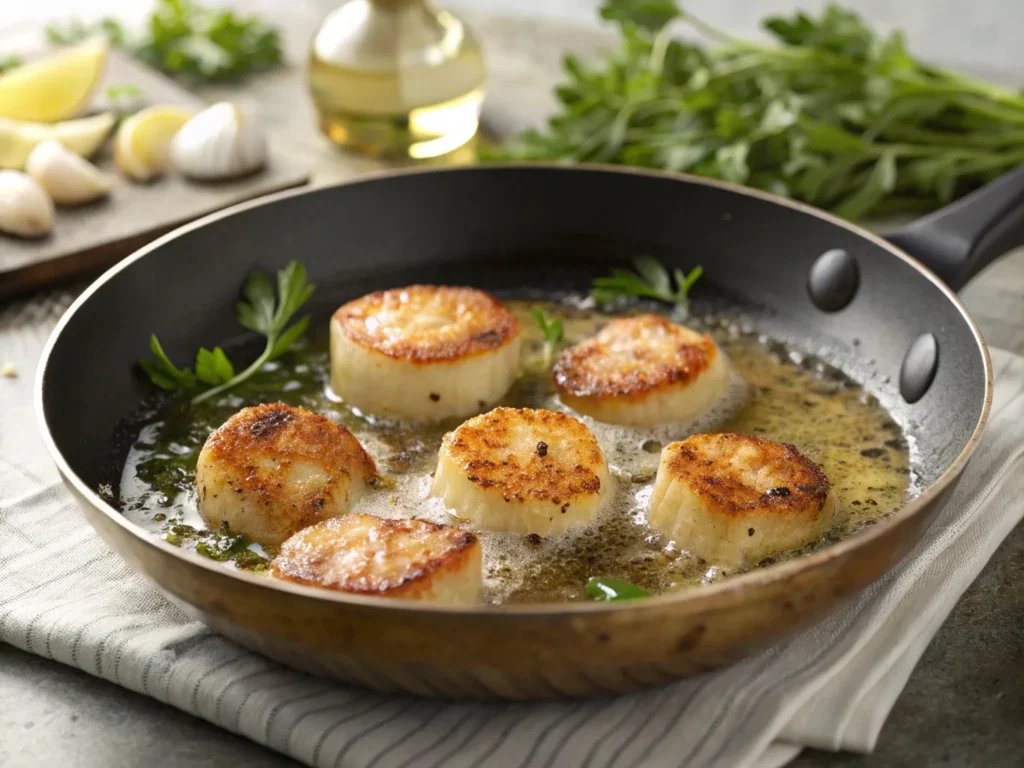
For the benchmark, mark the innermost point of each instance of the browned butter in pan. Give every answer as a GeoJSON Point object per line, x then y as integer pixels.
{"type": "Point", "coordinates": [782, 395]}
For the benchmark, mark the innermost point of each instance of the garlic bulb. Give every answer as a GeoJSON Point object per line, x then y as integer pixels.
{"type": "Point", "coordinates": [68, 178]}
{"type": "Point", "coordinates": [219, 143]}
{"type": "Point", "coordinates": [25, 208]}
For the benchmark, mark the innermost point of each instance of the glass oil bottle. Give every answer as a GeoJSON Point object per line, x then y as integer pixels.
{"type": "Point", "coordinates": [396, 78]}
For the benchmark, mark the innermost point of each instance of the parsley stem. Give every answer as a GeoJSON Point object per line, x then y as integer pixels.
{"type": "Point", "coordinates": [549, 353]}
{"type": "Point", "coordinates": [656, 63]}
{"type": "Point", "coordinates": [239, 377]}
{"type": "Point", "coordinates": [989, 90]}
{"type": "Point", "coordinates": [262, 312]}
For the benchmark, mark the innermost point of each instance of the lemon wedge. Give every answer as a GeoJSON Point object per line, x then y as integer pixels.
{"type": "Point", "coordinates": [142, 141]}
{"type": "Point", "coordinates": [54, 88]}
{"type": "Point", "coordinates": [83, 137]}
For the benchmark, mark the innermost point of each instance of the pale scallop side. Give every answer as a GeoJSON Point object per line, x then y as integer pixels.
{"type": "Point", "coordinates": [734, 499]}
{"type": "Point", "coordinates": [522, 470]}
{"type": "Point", "coordinates": [366, 555]}
{"type": "Point", "coordinates": [424, 353]}
{"type": "Point", "coordinates": [271, 470]}
{"type": "Point", "coordinates": [643, 371]}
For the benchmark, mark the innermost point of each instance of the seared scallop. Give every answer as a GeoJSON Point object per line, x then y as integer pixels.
{"type": "Point", "coordinates": [735, 499]}
{"type": "Point", "coordinates": [271, 470]}
{"type": "Point", "coordinates": [365, 555]}
{"type": "Point", "coordinates": [424, 353]}
{"type": "Point", "coordinates": [642, 371]}
{"type": "Point", "coordinates": [523, 471]}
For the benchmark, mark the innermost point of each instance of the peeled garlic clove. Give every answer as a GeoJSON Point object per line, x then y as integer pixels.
{"type": "Point", "coordinates": [25, 208]}
{"type": "Point", "coordinates": [68, 178]}
{"type": "Point", "coordinates": [219, 143]}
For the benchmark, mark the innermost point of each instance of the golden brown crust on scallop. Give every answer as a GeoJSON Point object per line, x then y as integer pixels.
{"type": "Point", "coordinates": [632, 357]}
{"type": "Point", "coordinates": [427, 323]}
{"type": "Point", "coordinates": [542, 476]}
{"type": "Point", "coordinates": [256, 447]}
{"type": "Point", "coordinates": [362, 554]}
{"type": "Point", "coordinates": [797, 483]}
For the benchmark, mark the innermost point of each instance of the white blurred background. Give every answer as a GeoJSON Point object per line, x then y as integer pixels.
{"type": "Point", "coordinates": [985, 37]}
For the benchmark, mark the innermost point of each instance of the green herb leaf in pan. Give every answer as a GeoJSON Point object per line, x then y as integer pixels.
{"type": "Point", "coordinates": [262, 311]}
{"type": "Point", "coordinates": [162, 371]}
{"type": "Point", "coordinates": [213, 367]}
{"type": "Point", "coordinates": [614, 589]}
{"type": "Point", "coordinates": [650, 281]}
{"type": "Point", "coordinates": [270, 316]}
{"type": "Point", "coordinates": [553, 330]}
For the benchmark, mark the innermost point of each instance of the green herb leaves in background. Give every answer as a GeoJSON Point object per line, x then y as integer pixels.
{"type": "Point", "coordinates": [9, 62]}
{"type": "Point", "coordinates": [262, 311]}
{"type": "Point", "coordinates": [125, 98]}
{"type": "Point", "coordinates": [650, 281]}
{"type": "Point", "coordinates": [187, 40]}
{"type": "Point", "coordinates": [614, 589]}
{"type": "Point", "coordinates": [832, 114]}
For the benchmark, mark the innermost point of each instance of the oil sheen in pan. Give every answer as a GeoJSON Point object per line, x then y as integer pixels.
{"type": "Point", "coordinates": [778, 394]}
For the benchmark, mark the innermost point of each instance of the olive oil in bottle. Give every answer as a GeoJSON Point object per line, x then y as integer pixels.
{"type": "Point", "coordinates": [396, 78]}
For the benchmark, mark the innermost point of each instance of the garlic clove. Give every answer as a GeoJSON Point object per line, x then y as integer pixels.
{"type": "Point", "coordinates": [25, 208]}
{"type": "Point", "coordinates": [68, 178]}
{"type": "Point", "coordinates": [219, 143]}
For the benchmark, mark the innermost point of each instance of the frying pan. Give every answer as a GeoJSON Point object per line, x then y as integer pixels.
{"type": "Point", "coordinates": [796, 273]}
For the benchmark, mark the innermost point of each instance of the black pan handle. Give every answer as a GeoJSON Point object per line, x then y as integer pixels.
{"type": "Point", "coordinates": [958, 241]}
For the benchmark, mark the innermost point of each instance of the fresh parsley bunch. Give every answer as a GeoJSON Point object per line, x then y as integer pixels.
{"type": "Point", "coordinates": [185, 39]}
{"type": "Point", "coordinates": [833, 114]}
{"type": "Point", "coordinates": [261, 312]}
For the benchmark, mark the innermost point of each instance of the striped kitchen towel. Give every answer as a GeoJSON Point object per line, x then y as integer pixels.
{"type": "Point", "coordinates": [66, 596]}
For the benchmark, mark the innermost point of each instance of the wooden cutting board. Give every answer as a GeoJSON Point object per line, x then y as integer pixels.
{"type": "Point", "coordinates": [98, 234]}
{"type": "Point", "coordinates": [523, 62]}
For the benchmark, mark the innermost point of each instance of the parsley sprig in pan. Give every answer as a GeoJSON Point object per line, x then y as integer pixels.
{"type": "Point", "coordinates": [553, 329]}
{"type": "Point", "coordinates": [609, 589]}
{"type": "Point", "coordinates": [261, 312]}
{"type": "Point", "coordinates": [650, 280]}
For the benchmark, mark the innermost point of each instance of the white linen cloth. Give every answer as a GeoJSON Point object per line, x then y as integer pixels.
{"type": "Point", "coordinates": [66, 596]}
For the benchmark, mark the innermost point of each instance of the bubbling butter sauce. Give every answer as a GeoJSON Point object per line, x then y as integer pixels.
{"type": "Point", "coordinates": [776, 393]}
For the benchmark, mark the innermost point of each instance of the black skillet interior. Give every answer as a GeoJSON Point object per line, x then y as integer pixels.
{"type": "Point", "coordinates": [514, 230]}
